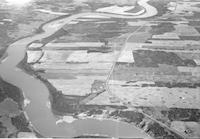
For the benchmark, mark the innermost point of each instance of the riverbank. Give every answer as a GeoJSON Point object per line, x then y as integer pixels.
{"type": "Point", "coordinates": [61, 104]}
{"type": "Point", "coordinates": [27, 69]}
{"type": "Point", "coordinates": [11, 91]}
{"type": "Point", "coordinates": [2, 51]}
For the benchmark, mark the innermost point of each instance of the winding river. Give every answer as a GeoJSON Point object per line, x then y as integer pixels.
{"type": "Point", "coordinates": [37, 111]}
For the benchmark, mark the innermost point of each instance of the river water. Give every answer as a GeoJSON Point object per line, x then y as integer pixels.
{"type": "Point", "coordinates": [37, 111]}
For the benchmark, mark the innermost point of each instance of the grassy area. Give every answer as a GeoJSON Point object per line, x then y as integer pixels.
{"type": "Point", "coordinates": [19, 121]}
{"type": "Point", "coordinates": [194, 23]}
{"type": "Point", "coordinates": [195, 16]}
{"type": "Point", "coordinates": [155, 74]}
{"type": "Point", "coordinates": [136, 9]}
{"type": "Point", "coordinates": [194, 38]}
{"type": "Point", "coordinates": [40, 30]}
{"type": "Point", "coordinates": [99, 32]}
{"type": "Point", "coordinates": [167, 115]}
{"type": "Point", "coordinates": [198, 29]}
{"type": "Point", "coordinates": [5, 40]}
{"type": "Point", "coordinates": [3, 131]}
{"type": "Point", "coordinates": [130, 116]}
{"type": "Point", "coordinates": [139, 37]}
{"type": "Point", "coordinates": [57, 34]}
{"type": "Point", "coordinates": [2, 51]}
{"type": "Point", "coordinates": [148, 58]}
{"type": "Point", "coordinates": [162, 28]}
{"type": "Point", "coordinates": [96, 5]}
{"type": "Point", "coordinates": [9, 91]}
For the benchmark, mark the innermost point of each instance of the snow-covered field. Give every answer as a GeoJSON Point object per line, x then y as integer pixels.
{"type": "Point", "coordinates": [78, 72]}
{"type": "Point", "coordinates": [83, 56]}
{"type": "Point", "coordinates": [138, 83]}
{"type": "Point", "coordinates": [126, 57]}
{"type": "Point", "coordinates": [120, 10]}
{"type": "Point", "coordinates": [54, 56]}
{"type": "Point", "coordinates": [73, 22]}
{"type": "Point", "coordinates": [105, 99]}
{"type": "Point", "coordinates": [33, 56]}
{"type": "Point", "coordinates": [133, 46]}
{"type": "Point", "coordinates": [35, 45]}
{"type": "Point", "coordinates": [50, 12]}
{"type": "Point", "coordinates": [174, 42]}
{"type": "Point", "coordinates": [76, 60]}
{"type": "Point", "coordinates": [140, 23]}
{"type": "Point", "coordinates": [80, 86]}
{"type": "Point", "coordinates": [167, 35]}
{"type": "Point", "coordinates": [185, 30]}
{"type": "Point", "coordinates": [158, 96]}
{"type": "Point", "coordinates": [182, 7]}
{"type": "Point", "coordinates": [62, 66]}
{"type": "Point", "coordinates": [75, 44]}
{"type": "Point", "coordinates": [195, 71]}
{"type": "Point", "coordinates": [78, 57]}
{"type": "Point", "coordinates": [95, 17]}
{"type": "Point", "coordinates": [84, 20]}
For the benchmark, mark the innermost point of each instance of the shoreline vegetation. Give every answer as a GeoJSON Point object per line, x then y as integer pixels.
{"type": "Point", "coordinates": [19, 121]}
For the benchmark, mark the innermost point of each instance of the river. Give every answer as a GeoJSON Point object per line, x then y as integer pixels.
{"type": "Point", "coordinates": [37, 111]}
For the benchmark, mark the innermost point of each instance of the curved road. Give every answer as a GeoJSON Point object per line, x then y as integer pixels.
{"type": "Point", "coordinates": [39, 115]}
